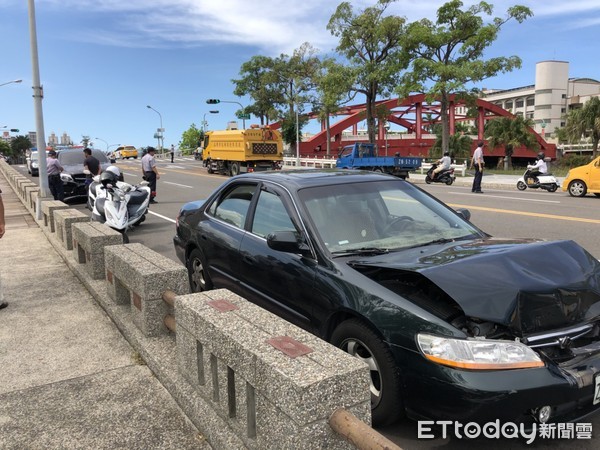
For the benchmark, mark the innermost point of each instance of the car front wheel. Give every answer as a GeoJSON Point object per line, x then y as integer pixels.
{"type": "Point", "coordinates": [357, 339]}
{"type": "Point", "coordinates": [199, 278]}
{"type": "Point", "coordinates": [577, 188]}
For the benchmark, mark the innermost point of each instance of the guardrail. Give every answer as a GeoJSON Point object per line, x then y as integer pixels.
{"type": "Point", "coordinates": [310, 162]}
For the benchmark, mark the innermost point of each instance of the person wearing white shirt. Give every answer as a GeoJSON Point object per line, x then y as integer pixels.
{"type": "Point", "coordinates": [444, 163]}
{"type": "Point", "coordinates": [539, 168]}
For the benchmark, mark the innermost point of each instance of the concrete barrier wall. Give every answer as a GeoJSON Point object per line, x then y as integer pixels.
{"type": "Point", "coordinates": [226, 366]}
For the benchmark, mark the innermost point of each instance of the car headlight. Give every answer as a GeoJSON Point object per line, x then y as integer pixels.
{"type": "Point", "coordinates": [479, 354]}
{"type": "Point", "coordinates": [66, 178]}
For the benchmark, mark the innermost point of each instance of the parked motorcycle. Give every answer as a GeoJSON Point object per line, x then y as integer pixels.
{"type": "Point", "coordinates": [445, 176]}
{"type": "Point", "coordinates": [119, 205]}
{"type": "Point", "coordinates": [545, 181]}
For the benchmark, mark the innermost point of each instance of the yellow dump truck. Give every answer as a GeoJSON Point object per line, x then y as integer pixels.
{"type": "Point", "coordinates": [237, 151]}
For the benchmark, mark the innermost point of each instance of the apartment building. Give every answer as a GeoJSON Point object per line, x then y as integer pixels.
{"type": "Point", "coordinates": [548, 100]}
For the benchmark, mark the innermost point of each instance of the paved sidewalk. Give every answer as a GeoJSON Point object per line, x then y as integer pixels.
{"type": "Point", "coordinates": [68, 378]}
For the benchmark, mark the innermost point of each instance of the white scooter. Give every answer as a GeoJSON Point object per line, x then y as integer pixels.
{"type": "Point", "coordinates": [119, 205]}
{"type": "Point", "coordinates": [545, 181]}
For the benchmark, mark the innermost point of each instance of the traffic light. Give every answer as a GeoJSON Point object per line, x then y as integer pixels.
{"type": "Point", "coordinates": [14, 130]}
{"type": "Point", "coordinates": [213, 101]}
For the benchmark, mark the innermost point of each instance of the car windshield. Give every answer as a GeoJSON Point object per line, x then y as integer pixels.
{"type": "Point", "coordinates": [77, 157]}
{"type": "Point", "coordinates": [381, 216]}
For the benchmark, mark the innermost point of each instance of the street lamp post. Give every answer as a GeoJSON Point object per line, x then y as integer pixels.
{"type": "Point", "coordinates": [386, 127]}
{"type": "Point", "coordinates": [204, 118]}
{"type": "Point", "coordinates": [105, 143]}
{"type": "Point", "coordinates": [9, 82]}
{"type": "Point", "coordinates": [159, 135]}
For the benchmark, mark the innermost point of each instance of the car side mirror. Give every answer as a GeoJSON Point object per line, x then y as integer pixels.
{"type": "Point", "coordinates": [464, 213]}
{"type": "Point", "coordinates": [288, 242]}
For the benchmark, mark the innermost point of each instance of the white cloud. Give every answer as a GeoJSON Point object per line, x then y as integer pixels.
{"type": "Point", "coordinates": [273, 26]}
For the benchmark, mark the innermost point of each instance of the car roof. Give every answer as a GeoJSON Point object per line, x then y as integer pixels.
{"type": "Point", "coordinates": [317, 177]}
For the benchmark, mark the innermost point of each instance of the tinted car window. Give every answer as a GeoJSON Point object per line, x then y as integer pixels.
{"type": "Point", "coordinates": [233, 206]}
{"type": "Point", "coordinates": [270, 215]}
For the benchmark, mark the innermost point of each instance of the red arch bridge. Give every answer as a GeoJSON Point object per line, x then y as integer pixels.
{"type": "Point", "coordinates": [417, 117]}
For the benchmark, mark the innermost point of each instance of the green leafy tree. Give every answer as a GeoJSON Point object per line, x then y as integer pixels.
{"type": "Point", "coordinates": [19, 145]}
{"type": "Point", "coordinates": [333, 84]}
{"type": "Point", "coordinates": [5, 148]}
{"type": "Point", "coordinates": [585, 122]}
{"type": "Point", "coordinates": [256, 81]}
{"type": "Point", "coordinates": [510, 132]}
{"type": "Point", "coordinates": [459, 145]}
{"type": "Point", "coordinates": [280, 86]}
{"type": "Point", "coordinates": [191, 138]}
{"type": "Point", "coordinates": [448, 54]}
{"type": "Point", "coordinates": [294, 77]}
{"type": "Point", "coordinates": [371, 42]}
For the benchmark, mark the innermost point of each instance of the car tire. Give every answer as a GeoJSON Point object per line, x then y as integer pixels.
{"type": "Point", "coordinates": [197, 273]}
{"type": "Point", "coordinates": [577, 188]}
{"type": "Point", "coordinates": [358, 340]}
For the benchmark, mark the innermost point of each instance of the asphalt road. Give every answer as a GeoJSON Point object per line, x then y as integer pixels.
{"type": "Point", "coordinates": [500, 212]}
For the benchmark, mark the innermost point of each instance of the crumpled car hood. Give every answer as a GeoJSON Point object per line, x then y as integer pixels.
{"type": "Point", "coordinates": [528, 286]}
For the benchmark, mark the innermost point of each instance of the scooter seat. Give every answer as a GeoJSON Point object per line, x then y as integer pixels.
{"type": "Point", "coordinates": [137, 197]}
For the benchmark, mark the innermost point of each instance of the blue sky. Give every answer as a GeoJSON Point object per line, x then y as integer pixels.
{"type": "Point", "coordinates": [103, 61]}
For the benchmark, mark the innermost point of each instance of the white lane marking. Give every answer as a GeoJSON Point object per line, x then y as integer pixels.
{"type": "Point", "coordinates": [161, 216]}
{"type": "Point", "coordinates": [177, 184]}
{"type": "Point", "coordinates": [509, 198]}
{"type": "Point", "coordinates": [130, 174]}
{"type": "Point", "coordinates": [171, 166]}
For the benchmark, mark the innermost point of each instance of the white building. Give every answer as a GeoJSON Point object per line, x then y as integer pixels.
{"type": "Point", "coordinates": [548, 100]}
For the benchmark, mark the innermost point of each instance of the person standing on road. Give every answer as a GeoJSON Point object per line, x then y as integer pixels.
{"type": "Point", "coordinates": [54, 182]}
{"type": "Point", "coordinates": [92, 164]}
{"type": "Point", "coordinates": [172, 153]}
{"type": "Point", "coordinates": [477, 162]}
{"type": "Point", "coordinates": [3, 304]}
{"type": "Point", "coordinates": [150, 172]}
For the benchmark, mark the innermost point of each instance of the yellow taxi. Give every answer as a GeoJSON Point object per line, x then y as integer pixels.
{"type": "Point", "coordinates": [126, 152]}
{"type": "Point", "coordinates": [583, 179]}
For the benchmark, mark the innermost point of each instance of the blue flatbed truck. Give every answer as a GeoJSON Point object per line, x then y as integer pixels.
{"type": "Point", "coordinates": [363, 156]}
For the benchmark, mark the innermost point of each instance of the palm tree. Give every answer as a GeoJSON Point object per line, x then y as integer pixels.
{"type": "Point", "coordinates": [583, 121]}
{"type": "Point", "coordinates": [510, 132]}
{"type": "Point", "coordinates": [459, 146]}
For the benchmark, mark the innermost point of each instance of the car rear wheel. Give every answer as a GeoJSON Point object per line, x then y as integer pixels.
{"type": "Point", "coordinates": [577, 188]}
{"type": "Point", "coordinates": [358, 340]}
{"type": "Point", "coordinates": [199, 278]}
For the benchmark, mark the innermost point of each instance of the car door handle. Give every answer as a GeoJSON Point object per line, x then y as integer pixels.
{"type": "Point", "coordinates": [249, 260]}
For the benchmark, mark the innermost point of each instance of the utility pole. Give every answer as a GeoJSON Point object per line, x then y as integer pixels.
{"type": "Point", "coordinates": [38, 95]}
